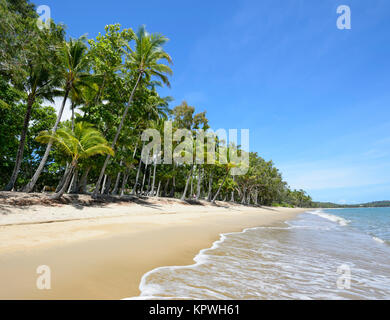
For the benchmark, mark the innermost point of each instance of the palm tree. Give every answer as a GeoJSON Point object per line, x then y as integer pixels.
{"type": "Point", "coordinates": [81, 143]}
{"type": "Point", "coordinates": [77, 99]}
{"type": "Point", "coordinates": [144, 61]}
{"type": "Point", "coordinates": [33, 71]}
{"type": "Point", "coordinates": [74, 70]}
{"type": "Point", "coordinates": [225, 163]}
{"type": "Point", "coordinates": [39, 84]}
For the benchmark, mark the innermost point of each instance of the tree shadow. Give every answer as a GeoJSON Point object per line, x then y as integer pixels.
{"type": "Point", "coordinates": [4, 210]}
{"type": "Point", "coordinates": [193, 202]}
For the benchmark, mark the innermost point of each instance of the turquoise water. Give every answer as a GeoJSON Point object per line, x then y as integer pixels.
{"type": "Point", "coordinates": [303, 258]}
{"type": "Point", "coordinates": [372, 221]}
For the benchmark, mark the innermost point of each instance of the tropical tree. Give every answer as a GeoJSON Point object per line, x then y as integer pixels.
{"type": "Point", "coordinates": [82, 143]}
{"type": "Point", "coordinates": [143, 62]}
{"type": "Point", "coordinates": [12, 119]}
{"type": "Point", "coordinates": [32, 70]}
{"type": "Point", "coordinates": [226, 164]}
{"type": "Point", "coordinates": [74, 71]}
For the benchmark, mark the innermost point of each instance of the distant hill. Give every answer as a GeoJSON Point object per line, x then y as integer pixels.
{"type": "Point", "coordinates": [385, 203]}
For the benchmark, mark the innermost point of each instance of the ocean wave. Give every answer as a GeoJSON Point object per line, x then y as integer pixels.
{"type": "Point", "coordinates": [331, 217]}
{"type": "Point", "coordinates": [380, 240]}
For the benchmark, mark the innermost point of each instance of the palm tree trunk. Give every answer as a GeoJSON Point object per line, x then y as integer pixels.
{"type": "Point", "coordinates": [60, 193]}
{"type": "Point", "coordinates": [104, 183]}
{"type": "Point", "coordinates": [220, 186]}
{"type": "Point", "coordinates": [154, 178]}
{"type": "Point", "coordinates": [124, 182]}
{"type": "Point", "coordinates": [22, 142]}
{"type": "Point", "coordinates": [106, 189]}
{"type": "Point", "coordinates": [115, 190]}
{"type": "Point", "coordinates": [158, 189]}
{"type": "Point", "coordinates": [75, 184]}
{"type": "Point", "coordinates": [149, 177]}
{"type": "Point", "coordinates": [191, 186]}
{"type": "Point", "coordinates": [199, 183]}
{"type": "Point", "coordinates": [34, 179]}
{"type": "Point", "coordinates": [210, 187]}
{"type": "Point", "coordinates": [133, 192]}
{"type": "Point", "coordinates": [83, 181]}
{"type": "Point", "coordinates": [135, 149]}
{"type": "Point", "coordinates": [186, 187]}
{"type": "Point", "coordinates": [173, 189]}
{"type": "Point", "coordinates": [97, 187]}
{"type": "Point", "coordinates": [165, 192]}
{"type": "Point", "coordinates": [62, 181]}
{"type": "Point", "coordinates": [72, 107]}
{"type": "Point", "coordinates": [145, 173]}
{"type": "Point", "coordinates": [232, 196]}
{"type": "Point", "coordinates": [71, 183]}
{"type": "Point", "coordinates": [243, 196]}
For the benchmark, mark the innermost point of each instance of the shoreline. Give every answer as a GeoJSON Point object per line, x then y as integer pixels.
{"type": "Point", "coordinates": [195, 262]}
{"type": "Point", "coordinates": [105, 257]}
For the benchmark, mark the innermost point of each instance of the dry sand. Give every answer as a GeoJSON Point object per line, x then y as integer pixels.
{"type": "Point", "coordinates": [101, 252]}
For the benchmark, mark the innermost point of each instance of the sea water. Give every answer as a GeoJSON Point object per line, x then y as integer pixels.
{"type": "Point", "coordinates": [322, 254]}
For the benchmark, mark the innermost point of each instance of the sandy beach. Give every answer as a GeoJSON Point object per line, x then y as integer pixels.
{"type": "Point", "coordinates": [101, 251]}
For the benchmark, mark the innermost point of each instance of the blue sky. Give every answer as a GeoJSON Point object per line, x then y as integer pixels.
{"type": "Point", "coordinates": [315, 98]}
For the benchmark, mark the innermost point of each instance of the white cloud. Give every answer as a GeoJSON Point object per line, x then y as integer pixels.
{"type": "Point", "coordinates": [67, 114]}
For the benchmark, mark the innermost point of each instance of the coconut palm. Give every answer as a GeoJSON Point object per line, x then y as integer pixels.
{"type": "Point", "coordinates": [145, 62]}
{"type": "Point", "coordinates": [39, 84]}
{"type": "Point", "coordinates": [225, 162]}
{"type": "Point", "coordinates": [34, 74]}
{"type": "Point", "coordinates": [74, 70]}
{"type": "Point", "coordinates": [81, 143]}
{"type": "Point", "coordinates": [77, 99]}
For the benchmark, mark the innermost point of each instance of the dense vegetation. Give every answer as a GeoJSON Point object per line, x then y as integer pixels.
{"type": "Point", "coordinates": [112, 84]}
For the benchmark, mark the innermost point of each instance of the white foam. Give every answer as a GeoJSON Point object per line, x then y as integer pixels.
{"type": "Point", "coordinates": [331, 217]}
{"type": "Point", "coordinates": [379, 240]}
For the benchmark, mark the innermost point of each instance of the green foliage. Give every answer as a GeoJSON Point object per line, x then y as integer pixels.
{"type": "Point", "coordinates": [82, 143]}
{"type": "Point", "coordinates": [147, 55]}
{"type": "Point", "coordinates": [11, 124]}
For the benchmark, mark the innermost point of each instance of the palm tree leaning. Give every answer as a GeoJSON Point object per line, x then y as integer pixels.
{"type": "Point", "coordinates": [40, 84]}
{"type": "Point", "coordinates": [38, 78]}
{"type": "Point", "coordinates": [81, 143]}
{"type": "Point", "coordinates": [74, 69]}
{"type": "Point", "coordinates": [144, 61]}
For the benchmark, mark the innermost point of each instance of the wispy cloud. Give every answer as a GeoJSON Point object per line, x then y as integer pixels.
{"type": "Point", "coordinates": [67, 111]}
